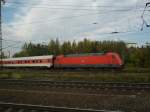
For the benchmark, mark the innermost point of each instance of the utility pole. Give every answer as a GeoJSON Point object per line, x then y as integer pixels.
{"type": "Point", "coordinates": [1, 52]}
{"type": "Point", "coordinates": [1, 39]}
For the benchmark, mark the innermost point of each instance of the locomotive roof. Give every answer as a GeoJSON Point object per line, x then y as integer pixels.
{"type": "Point", "coordinates": [29, 58]}
{"type": "Point", "coordinates": [85, 54]}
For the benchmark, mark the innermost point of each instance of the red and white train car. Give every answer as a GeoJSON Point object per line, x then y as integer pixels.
{"type": "Point", "coordinates": [34, 61]}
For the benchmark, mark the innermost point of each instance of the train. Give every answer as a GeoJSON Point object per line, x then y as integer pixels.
{"type": "Point", "coordinates": [85, 60]}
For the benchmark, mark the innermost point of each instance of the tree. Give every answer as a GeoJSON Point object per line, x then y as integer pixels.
{"type": "Point", "coordinates": [74, 47]}
{"type": "Point", "coordinates": [54, 47]}
{"type": "Point", "coordinates": [66, 48]}
{"type": "Point", "coordinates": [135, 56]}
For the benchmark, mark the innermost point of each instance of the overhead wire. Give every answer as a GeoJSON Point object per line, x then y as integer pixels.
{"type": "Point", "coordinates": [9, 46]}
{"type": "Point", "coordinates": [15, 43]}
{"type": "Point", "coordinates": [144, 22]}
{"type": "Point", "coordinates": [87, 9]}
{"type": "Point", "coordinates": [78, 9]}
{"type": "Point", "coordinates": [69, 17]}
{"type": "Point", "coordinates": [109, 11]}
{"type": "Point", "coordinates": [110, 33]}
{"type": "Point", "coordinates": [60, 18]}
{"type": "Point", "coordinates": [80, 15]}
{"type": "Point", "coordinates": [72, 7]}
{"type": "Point", "coordinates": [66, 5]}
{"type": "Point", "coordinates": [11, 40]}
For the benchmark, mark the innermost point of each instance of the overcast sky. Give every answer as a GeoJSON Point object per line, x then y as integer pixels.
{"type": "Point", "coordinates": [42, 20]}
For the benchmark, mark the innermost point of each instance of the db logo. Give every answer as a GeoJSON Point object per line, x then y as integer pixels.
{"type": "Point", "coordinates": [82, 61]}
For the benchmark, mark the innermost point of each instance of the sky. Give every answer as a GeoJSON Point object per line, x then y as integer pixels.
{"type": "Point", "coordinates": [39, 21]}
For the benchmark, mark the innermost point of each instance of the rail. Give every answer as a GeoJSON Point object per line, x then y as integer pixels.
{"type": "Point", "coordinates": [75, 84]}
{"type": "Point", "coordinates": [91, 70]}
{"type": "Point", "coordinates": [13, 107]}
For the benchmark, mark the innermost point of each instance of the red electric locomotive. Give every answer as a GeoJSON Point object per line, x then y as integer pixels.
{"type": "Point", "coordinates": [91, 60]}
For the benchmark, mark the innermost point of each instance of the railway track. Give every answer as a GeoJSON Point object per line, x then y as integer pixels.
{"type": "Point", "coordinates": [13, 107]}
{"type": "Point", "coordinates": [92, 70]}
{"type": "Point", "coordinates": [75, 84]}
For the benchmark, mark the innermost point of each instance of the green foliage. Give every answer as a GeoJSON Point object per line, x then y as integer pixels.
{"type": "Point", "coordinates": [133, 57]}
{"type": "Point", "coordinates": [33, 50]}
{"type": "Point", "coordinates": [139, 57]}
{"type": "Point", "coordinates": [54, 47]}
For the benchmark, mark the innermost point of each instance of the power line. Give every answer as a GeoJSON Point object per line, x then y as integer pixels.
{"type": "Point", "coordinates": [60, 1]}
{"type": "Point", "coordinates": [109, 11]}
{"type": "Point", "coordinates": [62, 18]}
{"type": "Point", "coordinates": [84, 9]}
{"type": "Point", "coordinates": [68, 8]}
{"type": "Point", "coordinates": [43, 21]}
{"type": "Point", "coordinates": [11, 40]}
{"type": "Point", "coordinates": [78, 9]}
{"type": "Point", "coordinates": [81, 15]}
{"type": "Point", "coordinates": [142, 16]}
{"type": "Point", "coordinates": [66, 5]}
{"type": "Point", "coordinates": [109, 33]}
{"type": "Point", "coordinates": [10, 46]}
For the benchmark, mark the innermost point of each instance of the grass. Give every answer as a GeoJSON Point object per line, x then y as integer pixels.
{"type": "Point", "coordinates": [78, 76]}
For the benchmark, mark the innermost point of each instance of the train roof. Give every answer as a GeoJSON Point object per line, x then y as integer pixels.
{"type": "Point", "coordinates": [29, 58]}
{"type": "Point", "coordinates": [85, 54]}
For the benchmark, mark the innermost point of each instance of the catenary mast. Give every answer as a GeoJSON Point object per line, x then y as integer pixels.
{"type": "Point", "coordinates": [1, 39]}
